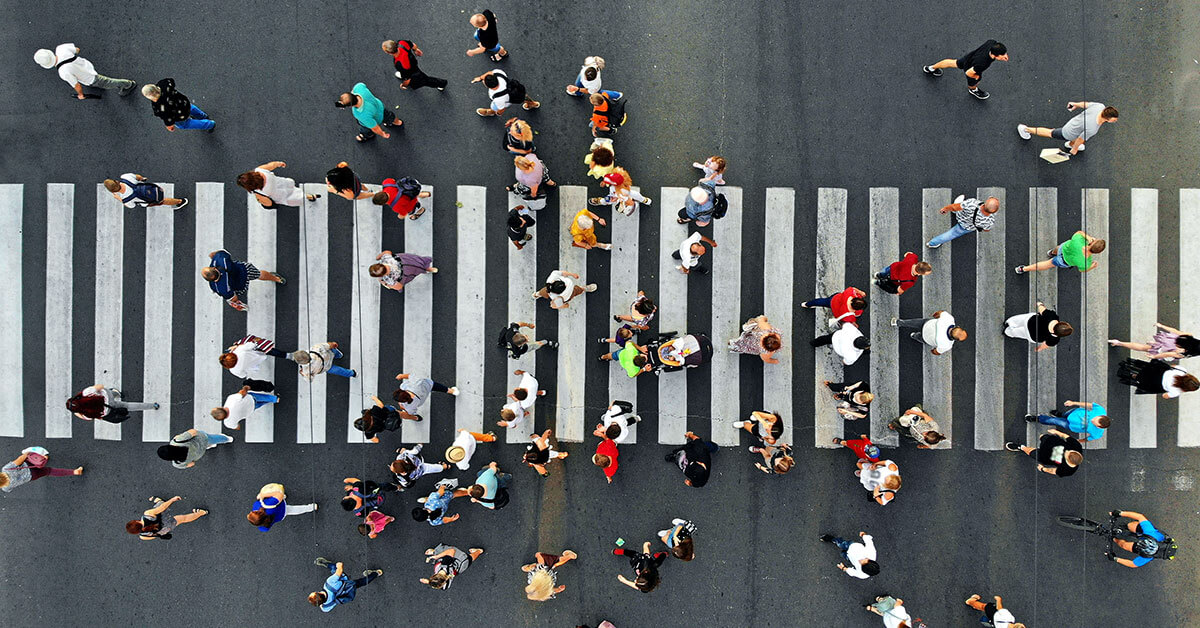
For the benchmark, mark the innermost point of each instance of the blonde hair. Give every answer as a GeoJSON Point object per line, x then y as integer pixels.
{"type": "Point", "coordinates": [522, 162]}
{"type": "Point", "coordinates": [541, 585]}
{"type": "Point", "coordinates": [151, 91]}
{"type": "Point", "coordinates": [627, 183]}
{"type": "Point", "coordinates": [4, 480]}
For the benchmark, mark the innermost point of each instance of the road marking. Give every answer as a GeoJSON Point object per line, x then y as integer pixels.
{"type": "Point", "coordinates": [470, 286]}
{"type": "Point", "coordinates": [1143, 307]}
{"type": "Point", "coordinates": [158, 321]}
{"type": "Point", "coordinates": [1183, 480]}
{"type": "Point", "coordinates": [313, 315]}
{"type": "Point", "coordinates": [60, 242]}
{"type": "Point", "coordinates": [672, 315]}
{"type": "Point", "coordinates": [725, 369]}
{"type": "Point", "coordinates": [830, 279]}
{"type": "Point", "coordinates": [208, 344]}
{"type": "Point", "coordinates": [1093, 326]}
{"type": "Point", "coordinates": [1041, 367]}
{"type": "Point", "coordinates": [1137, 480]}
{"type": "Point", "coordinates": [885, 339]}
{"type": "Point", "coordinates": [522, 282]}
{"type": "Point", "coordinates": [418, 314]}
{"type": "Point", "coordinates": [989, 341]}
{"type": "Point", "coordinates": [623, 289]}
{"type": "Point", "coordinates": [260, 318]}
{"type": "Point", "coordinates": [362, 352]}
{"type": "Point", "coordinates": [1189, 316]}
{"type": "Point", "coordinates": [109, 265]}
{"type": "Point", "coordinates": [936, 398]}
{"type": "Point", "coordinates": [778, 291]}
{"type": "Point", "coordinates": [12, 333]}
{"type": "Point", "coordinates": [572, 322]}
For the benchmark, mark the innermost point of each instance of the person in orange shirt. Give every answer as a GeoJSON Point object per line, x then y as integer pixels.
{"type": "Point", "coordinates": [583, 231]}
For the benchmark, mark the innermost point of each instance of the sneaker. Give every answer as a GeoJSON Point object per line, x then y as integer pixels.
{"type": "Point", "coordinates": [126, 92]}
{"type": "Point", "coordinates": [1052, 252]}
{"type": "Point", "coordinates": [536, 296]}
{"type": "Point", "coordinates": [156, 406]}
{"type": "Point", "coordinates": [553, 344]}
{"type": "Point", "coordinates": [1020, 270]}
{"type": "Point", "coordinates": [591, 287]}
{"type": "Point", "coordinates": [212, 128]}
{"type": "Point", "coordinates": [647, 201]}
{"type": "Point", "coordinates": [399, 76]}
{"type": "Point", "coordinates": [441, 89]}
{"type": "Point", "coordinates": [368, 572]}
{"type": "Point", "coordinates": [739, 424]}
{"type": "Point", "coordinates": [487, 113]}
{"type": "Point", "coordinates": [323, 562]}
{"type": "Point", "coordinates": [881, 276]}
{"type": "Point", "coordinates": [602, 341]}
{"type": "Point", "coordinates": [979, 93]}
{"type": "Point", "coordinates": [1067, 146]}
{"type": "Point", "coordinates": [598, 200]}
{"type": "Point", "coordinates": [753, 449]}
{"type": "Point", "coordinates": [453, 390]}
{"type": "Point", "coordinates": [893, 321]}
{"type": "Point", "coordinates": [1029, 418]}
{"type": "Point", "coordinates": [353, 373]}
{"type": "Point", "coordinates": [1011, 446]}
{"type": "Point", "coordinates": [183, 204]}
{"type": "Point", "coordinates": [932, 246]}
{"type": "Point", "coordinates": [928, 69]}
{"type": "Point", "coordinates": [637, 418]}
{"type": "Point", "coordinates": [668, 458]}
{"type": "Point", "coordinates": [678, 522]}
{"type": "Point", "coordinates": [825, 538]}
{"type": "Point", "coordinates": [1023, 131]}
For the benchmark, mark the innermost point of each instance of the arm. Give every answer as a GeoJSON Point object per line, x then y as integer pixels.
{"type": "Point", "coordinates": [378, 130]}
{"type": "Point", "coordinates": [529, 325]}
{"type": "Point", "coordinates": [954, 207]}
{"type": "Point", "coordinates": [597, 219]}
{"type": "Point", "coordinates": [403, 376]}
{"type": "Point", "coordinates": [1049, 470]}
{"type": "Point", "coordinates": [271, 165]}
{"type": "Point", "coordinates": [1086, 405]}
{"type": "Point", "coordinates": [338, 571]}
{"type": "Point", "coordinates": [1041, 346]}
{"type": "Point", "coordinates": [708, 240]}
{"type": "Point", "coordinates": [1168, 328]}
{"type": "Point", "coordinates": [627, 582]}
{"type": "Point", "coordinates": [417, 50]}
{"type": "Point", "coordinates": [999, 605]}
{"type": "Point", "coordinates": [485, 74]}
{"type": "Point", "coordinates": [20, 460]}
{"type": "Point", "coordinates": [768, 357]}
{"type": "Point", "coordinates": [1058, 432]}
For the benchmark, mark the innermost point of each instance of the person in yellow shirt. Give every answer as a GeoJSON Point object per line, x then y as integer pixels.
{"type": "Point", "coordinates": [583, 231]}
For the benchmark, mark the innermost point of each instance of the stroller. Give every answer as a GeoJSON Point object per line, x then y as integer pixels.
{"type": "Point", "coordinates": [670, 352]}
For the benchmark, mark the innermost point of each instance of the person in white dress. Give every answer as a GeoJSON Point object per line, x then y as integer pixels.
{"type": "Point", "coordinates": [270, 189]}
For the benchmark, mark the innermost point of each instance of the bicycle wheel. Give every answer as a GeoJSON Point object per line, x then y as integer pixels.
{"type": "Point", "coordinates": [1077, 523]}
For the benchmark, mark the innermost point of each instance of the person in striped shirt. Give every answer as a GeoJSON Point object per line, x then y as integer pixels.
{"type": "Point", "coordinates": [971, 214]}
{"type": "Point", "coordinates": [245, 356]}
{"type": "Point", "coordinates": [230, 278]}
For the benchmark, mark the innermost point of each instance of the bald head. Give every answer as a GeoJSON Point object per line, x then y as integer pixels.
{"type": "Point", "coordinates": [991, 205]}
{"type": "Point", "coordinates": [699, 194]}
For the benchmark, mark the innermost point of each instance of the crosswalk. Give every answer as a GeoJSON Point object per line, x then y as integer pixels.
{"type": "Point", "coordinates": [273, 238]}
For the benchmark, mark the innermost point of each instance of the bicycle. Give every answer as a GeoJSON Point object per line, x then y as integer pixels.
{"type": "Point", "coordinates": [1112, 530]}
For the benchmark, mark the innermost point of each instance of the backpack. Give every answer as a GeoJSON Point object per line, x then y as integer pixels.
{"type": "Point", "coordinates": [720, 207]}
{"type": "Point", "coordinates": [500, 500]}
{"type": "Point", "coordinates": [1166, 549]}
{"type": "Point", "coordinates": [890, 286]}
{"type": "Point", "coordinates": [142, 191]}
{"type": "Point", "coordinates": [514, 89]}
{"type": "Point", "coordinates": [409, 187]}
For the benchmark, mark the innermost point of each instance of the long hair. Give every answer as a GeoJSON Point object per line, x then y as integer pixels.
{"type": "Point", "coordinates": [541, 585]}
{"type": "Point", "coordinates": [88, 405]}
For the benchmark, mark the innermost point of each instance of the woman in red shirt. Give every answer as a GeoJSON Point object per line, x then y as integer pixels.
{"type": "Point", "coordinates": [902, 275]}
{"type": "Point", "coordinates": [847, 305]}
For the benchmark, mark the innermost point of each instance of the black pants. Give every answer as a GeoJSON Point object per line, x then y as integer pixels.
{"type": "Point", "coordinates": [821, 341]}
{"type": "Point", "coordinates": [420, 79]}
{"type": "Point", "coordinates": [518, 235]}
{"type": "Point", "coordinates": [388, 119]}
{"type": "Point", "coordinates": [259, 385]}
{"type": "Point", "coordinates": [698, 268]}
{"type": "Point", "coordinates": [276, 353]}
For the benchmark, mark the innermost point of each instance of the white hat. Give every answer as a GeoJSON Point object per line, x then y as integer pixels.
{"type": "Point", "coordinates": [45, 58]}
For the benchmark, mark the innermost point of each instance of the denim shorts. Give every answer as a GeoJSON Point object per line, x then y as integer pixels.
{"type": "Point", "coordinates": [1058, 260]}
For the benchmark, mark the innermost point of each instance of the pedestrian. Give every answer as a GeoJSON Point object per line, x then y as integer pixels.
{"type": "Point", "coordinates": [518, 137]}
{"type": "Point", "coordinates": [319, 359]}
{"type": "Point", "coordinates": [186, 448]}
{"type": "Point", "coordinates": [105, 404]}
{"type": "Point", "coordinates": [272, 190]}
{"type": "Point", "coordinates": [846, 305]}
{"type": "Point", "coordinates": [539, 452]}
{"type": "Point", "coordinates": [460, 451]}
{"type": "Point", "coordinates": [621, 195]}
{"type": "Point", "coordinates": [847, 341]}
{"type": "Point", "coordinates": [777, 459]}
{"type": "Point", "coordinates": [938, 332]}
{"type": "Point", "coordinates": [1156, 377]}
{"type": "Point", "coordinates": [607, 454]}
{"type": "Point", "coordinates": [600, 158]}
{"type": "Point", "coordinates": [896, 278]}
{"type": "Point", "coordinates": [79, 72]}
{"type": "Point", "coordinates": [583, 231]}
{"type": "Point", "coordinates": [435, 507]}
{"type": "Point", "coordinates": [714, 170]}
{"type": "Point", "coordinates": [374, 523]}
{"type": "Point", "coordinates": [518, 344]}
{"type": "Point", "coordinates": [541, 584]}
{"type": "Point", "coordinates": [409, 466]}
{"type": "Point", "coordinates": [694, 458]}
{"type": "Point", "coordinates": [588, 81]}
{"type": "Point", "coordinates": [402, 196]}
{"type": "Point", "coordinates": [521, 400]}
{"type": "Point", "coordinates": [533, 182]}
{"type": "Point", "coordinates": [244, 357]}
{"type": "Point", "coordinates": [892, 610]}
{"type": "Point", "coordinates": [616, 421]}
{"type": "Point", "coordinates": [862, 447]}
{"type": "Point", "coordinates": [490, 489]}
{"type": "Point", "coordinates": [380, 418]}
{"type": "Point", "coordinates": [608, 112]}
{"type": "Point", "coordinates": [370, 113]}
{"type": "Point", "coordinates": [560, 288]}
{"type": "Point", "coordinates": [503, 91]}
{"type": "Point", "coordinates": [342, 181]}
{"type": "Point", "coordinates": [30, 466]}
{"type": "Point", "coordinates": [645, 567]}
{"type": "Point", "coordinates": [134, 190]}
{"type": "Point", "coordinates": [362, 496]}
{"type": "Point", "coordinates": [680, 538]}
{"type": "Point", "coordinates": [766, 427]}
{"type": "Point", "coordinates": [1079, 129]}
{"type": "Point", "coordinates": [970, 214]}
{"type": "Point", "coordinates": [881, 478]}
{"type": "Point", "coordinates": [641, 312]}
{"type": "Point", "coordinates": [1168, 344]}
{"type": "Point", "coordinates": [859, 555]}
{"type": "Point", "coordinates": [448, 561]}
{"type": "Point", "coordinates": [338, 587]}
{"type": "Point", "coordinates": [973, 64]}
{"type": "Point", "coordinates": [632, 357]}
{"type": "Point", "coordinates": [157, 524]}
{"type": "Point", "coordinates": [1057, 453]}
{"type": "Point", "coordinates": [1085, 418]}
{"type": "Point", "coordinates": [918, 426]}
{"type": "Point", "coordinates": [413, 393]}
{"type": "Point", "coordinates": [994, 613]}
{"type": "Point", "coordinates": [1042, 328]}
{"type": "Point", "coordinates": [404, 59]}
{"type": "Point", "coordinates": [759, 337]}
{"type": "Point", "coordinates": [700, 205]}
{"type": "Point", "coordinates": [1075, 252]}
{"type": "Point", "coordinates": [230, 279]}
{"type": "Point", "coordinates": [394, 271]}
{"type": "Point", "coordinates": [854, 400]}
{"type": "Point", "coordinates": [174, 109]}
{"type": "Point", "coordinates": [270, 507]}
{"type": "Point", "coordinates": [486, 36]}
{"type": "Point", "coordinates": [519, 222]}
{"type": "Point", "coordinates": [240, 405]}
{"type": "Point", "coordinates": [689, 253]}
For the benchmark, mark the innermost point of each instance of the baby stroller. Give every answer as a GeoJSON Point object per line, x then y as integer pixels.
{"type": "Point", "coordinates": [670, 352]}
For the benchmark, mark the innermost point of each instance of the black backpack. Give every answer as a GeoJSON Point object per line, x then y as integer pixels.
{"type": "Point", "coordinates": [500, 500]}
{"type": "Point", "coordinates": [1166, 549]}
{"type": "Point", "coordinates": [720, 207]}
{"type": "Point", "coordinates": [515, 91]}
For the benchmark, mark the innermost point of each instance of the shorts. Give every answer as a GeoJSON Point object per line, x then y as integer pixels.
{"type": "Point", "coordinates": [1057, 134]}
{"type": "Point", "coordinates": [488, 50]}
{"type": "Point", "coordinates": [252, 272]}
{"type": "Point", "coordinates": [1058, 260]}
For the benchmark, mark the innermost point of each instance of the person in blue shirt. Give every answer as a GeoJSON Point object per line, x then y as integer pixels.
{"type": "Point", "coordinates": [1147, 543]}
{"type": "Point", "coordinates": [369, 111]}
{"type": "Point", "coordinates": [1087, 419]}
{"type": "Point", "coordinates": [271, 507]}
{"type": "Point", "coordinates": [339, 588]}
{"type": "Point", "coordinates": [230, 279]}
{"type": "Point", "coordinates": [437, 505]}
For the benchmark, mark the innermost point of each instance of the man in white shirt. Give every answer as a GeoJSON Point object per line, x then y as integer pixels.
{"type": "Point", "coordinates": [243, 357]}
{"type": "Point", "coordinates": [689, 253]}
{"type": "Point", "coordinates": [615, 423]}
{"type": "Point", "coordinates": [522, 398]}
{"type": "Point", "coordinates": [937, 332]}
{"type": "Point", "coordinates": [79, 72]}
{"type": "Point", "coordinates": [560, 288]}
{"type": "Point", "coordinates": [847, 341]}
{"type": "Point", "coordinates": [861, 556]}
{"type": "Point", "coordinates": [240, 405]}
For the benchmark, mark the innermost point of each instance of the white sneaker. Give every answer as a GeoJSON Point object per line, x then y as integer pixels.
{"type": "Point", "coordinates": [739, 424]}
{"type": "Point", "coordinates": [662, 533]}
{"type": "Point", "coordinates": [1023, 131]}
{"type": "Point", "coordinates": [678, 522]}
{"type": "Point", "coordinates": [399, 76]}
{"type": "Point", "coordinates": [1067, 146]}
{"type": "Point", "coordinates": [591, 287]}
{"type": "Point", "coordinates": [453, 390]}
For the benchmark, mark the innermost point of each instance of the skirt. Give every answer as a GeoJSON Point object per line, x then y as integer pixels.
{"type": "Point", "coordinates": [1145, 375]}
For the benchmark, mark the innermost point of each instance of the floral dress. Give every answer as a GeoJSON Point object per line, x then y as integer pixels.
{"type": "Point", "coordinates": [750, 342]}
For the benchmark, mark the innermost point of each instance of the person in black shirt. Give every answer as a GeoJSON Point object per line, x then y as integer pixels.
{"type": "Point", "coordinates": [973, 63]}
{"type": "Point", "coordinates": [377, 419]}
{"type": "Point", "coordinates": [1042, 328]}
{"type": "Point", "coordinates": [518, 226]}
{"type": "Point", "coordinates": [1057, 453]}
{"type": "Point", "coordinates": [404, 57]}
{"type": "Point", "coordinates": [695, 459]}
{"type": "Point", "coordinates": [174, 109]}
{"type": "Point", "coordinates": [519, 344]}
{"type": "Point", "coordinates": [487, 36]}
{"type": "Point", "coordinates": [645, 567]}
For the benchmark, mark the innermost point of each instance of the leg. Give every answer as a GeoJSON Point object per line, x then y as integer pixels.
{"type": "Point", "coordinates": [198, 113]}
{"type": "Point", "coordinates": [843, 545]}
{"type": "Point", "coordinates": [484, 438]}
{"type": "Point", "coordinates": [430, 468]}
{"type": "Point", "coordinates": [267, 275]}
{"type": "Point", "coordinates": [1054, 421]}
{"type": "Point", "coordinates": [340, 371]}
{"type": "Point", "coordinates": [275, 352]}
{"type": "Point", "coordinates": [440, 387]}
{"type": "Point", "coordinates": [974, 603]}
{"type": "Point", "coordinates": [1132, 346]}
{"type": "Point", "coordinates": [104, 82]}
{"type": "Point", "coordinates": [290, 510]}
{"type": "Point", "coordinates": [365, 134]}
{"type": "Point", "coordinates": [1042, 265]}
{"type": "Point", "coordinates": [821, 341]}
{"type": "Point", "coordinates": [911, 323]}
{"type": "Point", "coordinates": [218, 439]}
{"type": "Point", "coordinates": [820, 302]}
{"type": "Point", "coordinates": [944, 64]}
{"type": "Point", "coordinates": [134, 406]}
{"type": "Point", "coordinates": [190, 517]}
{"type": "Point", "coordinates": [957, 231]}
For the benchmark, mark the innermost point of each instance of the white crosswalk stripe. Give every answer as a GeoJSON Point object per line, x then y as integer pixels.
{"type": "Point", "coordinates": [115, 338]}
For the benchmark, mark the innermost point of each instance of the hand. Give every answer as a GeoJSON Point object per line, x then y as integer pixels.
{"type": "Point", "coordinates": [170, 127]}
{"type": "Point", "coordinates": [1115, 513]}
{"type": "Point", "coordinates": [175, 499]}
{"type": "Point", "coordinates": [609, 479]}
{"type": "Point", "coordinates": [862, 533]}
{"type": "Point", "coordinates": [280, 164]}
{"type": "Point", "coordinates": [1072, 106]}
{"type": "Point", "coordinates": [841, 566]}
{"type": "Point", "coordinates": [602, 223]}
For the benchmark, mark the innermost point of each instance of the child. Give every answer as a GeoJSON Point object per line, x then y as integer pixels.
{"type": "Point", "coordinates": [374, 523]}
{"type": "Point", "coordinates": [714, 170]}
{"type": "Point", "coordinates": [862, 447]}
{"type": "Point", "coordinates": [624, 334]}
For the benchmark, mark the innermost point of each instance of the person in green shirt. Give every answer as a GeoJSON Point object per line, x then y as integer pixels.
{"type": "Point", "coordinates": [1076, 252]}
{"type": "Point", "coordinates": [632, 357]}
{"type": "Point", "coordinates": [369, 111]}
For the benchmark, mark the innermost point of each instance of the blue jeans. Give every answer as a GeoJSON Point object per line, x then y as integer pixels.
{"type": "Point", "coordinates": [957, 231]}
{"type": "Point", "coordinates": [612, 93]}
{"type": "Point", "coordinates": [821, 302]}
{"type": "Point", "coordinates": [198, 120]}
{"type": "Point", "coordinates": [337, 370]}
{"type": "Point", "coordinates": [886, 272]}
{"type": "Point", "coordinates": [218, 439]}
{"type": "Point", "coordinates": [843, 545]}
{"type": "Point", "coordinates": [261, 399]}
{"type": "Point", "coordinates": [1054, 421]}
